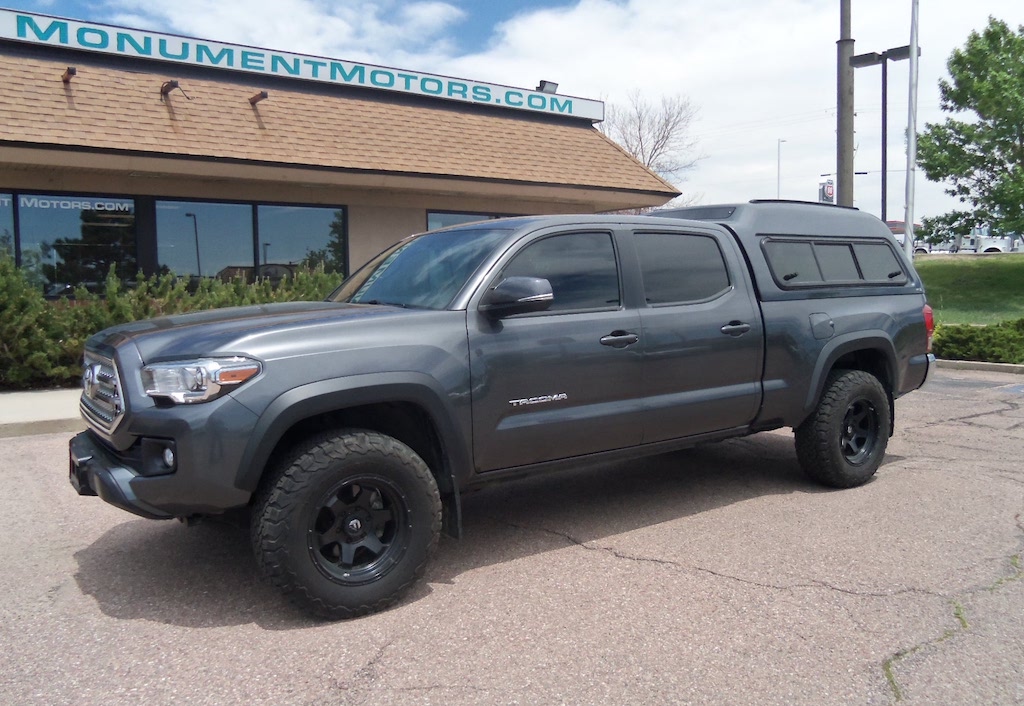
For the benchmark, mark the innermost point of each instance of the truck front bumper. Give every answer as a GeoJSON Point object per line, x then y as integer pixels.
{"type": "Point", "coordinates": [94, 471]}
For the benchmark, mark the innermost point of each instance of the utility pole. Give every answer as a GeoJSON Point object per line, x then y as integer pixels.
{"type": "Point", "coordinates": [908, 221]}
{"type": "Point", "coordinates": [885, 136]}
{"type": "Point", "coordinates": [778, 171]}
{"type": "Point", "coordinates": [844, 108]}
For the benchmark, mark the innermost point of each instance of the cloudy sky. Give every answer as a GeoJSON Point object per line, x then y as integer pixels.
{"type": "Point", "coordinates": [759, 71]}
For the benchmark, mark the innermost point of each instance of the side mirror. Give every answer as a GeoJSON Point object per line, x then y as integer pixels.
{"type": "Point", "coordinates": [517, 295]}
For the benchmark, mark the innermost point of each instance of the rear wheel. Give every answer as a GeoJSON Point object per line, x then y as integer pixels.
{"type": "Point", "coordinates": [843, 442]}
{"type": "Point", "coordinates": [347, 525]}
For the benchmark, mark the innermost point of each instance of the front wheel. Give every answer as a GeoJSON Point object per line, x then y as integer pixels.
{"type": "Point", "coordinates": [347, 525]}
{"type": "Point", "coordinates": [843, 442]}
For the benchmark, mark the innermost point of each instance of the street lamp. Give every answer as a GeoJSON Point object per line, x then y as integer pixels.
{"type": "Point", "coordinates": [778, 170]}
{"type": "Point", "coordinates": [883, 58]}
{"type": "Point", "coordinates": [195, 230]}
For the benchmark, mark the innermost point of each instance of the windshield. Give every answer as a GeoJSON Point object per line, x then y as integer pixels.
{"type": "Point", "coordinates": [424, 272]}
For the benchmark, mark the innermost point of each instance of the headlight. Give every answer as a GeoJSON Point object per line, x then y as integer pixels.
{"type": "Point", "coordinates": [191, 381]}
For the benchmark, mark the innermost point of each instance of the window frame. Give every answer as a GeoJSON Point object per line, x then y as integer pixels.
{"type": "Point", "coordinates": [766, 240]}
{"type": "Point", "coordinates": [17, 194]}
{"type": "Point", "coordinates": [144, 209]}
{"type": "Point", "coordinates": [730, 285]}
{"type": "Point", "coordinates": [523, 245]}
{"type": "Point", "coordinates": [254, 215]}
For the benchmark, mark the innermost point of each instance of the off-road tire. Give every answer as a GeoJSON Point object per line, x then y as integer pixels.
{"type": "Point", "coordinates": [346, 523]}
{"type": "Point", "coordinates": [842, 443]}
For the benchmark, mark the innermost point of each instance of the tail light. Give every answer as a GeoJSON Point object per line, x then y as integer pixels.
{"type": "Point", "coordinates": [929, 324]}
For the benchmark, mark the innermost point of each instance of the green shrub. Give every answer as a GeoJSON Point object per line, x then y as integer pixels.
{"type": "Point", "coordinates": [995, 343]}
{"type": "Point", "coordinates": [26, 327]}
{"type": "Point", "coordinates": [41, 342]}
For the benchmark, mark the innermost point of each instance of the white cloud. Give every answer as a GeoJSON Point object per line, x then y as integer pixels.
{"type": "Point", "coordinates": [360, 30]}
{"type": "Point", "coordinates": [759, 70]}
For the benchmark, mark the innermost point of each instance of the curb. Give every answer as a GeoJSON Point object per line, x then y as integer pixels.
{"type": "Point", "coordinates": [980, 366]}
{"type": "Point", "coordinates": [46, 426]}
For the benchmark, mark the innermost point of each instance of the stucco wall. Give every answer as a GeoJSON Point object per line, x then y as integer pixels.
{"type": "Point", "coordinates": [373, 228]}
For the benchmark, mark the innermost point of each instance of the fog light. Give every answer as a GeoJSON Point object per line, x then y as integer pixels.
{"type": "Point", "coordinates": [169, 457]}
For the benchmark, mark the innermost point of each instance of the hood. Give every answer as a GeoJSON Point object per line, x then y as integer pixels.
{"type": "Point", "coordinates": [228, 331]}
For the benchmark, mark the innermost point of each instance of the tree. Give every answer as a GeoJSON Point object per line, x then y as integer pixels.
{"type": "Point", "coordinates": [657, 136]}
{"type": "Point", "coordinates": [107, 239]}
{"type": "Point", "coordinates": [981, 158]}
{"type": "Point", "coordinates": [332, 257]}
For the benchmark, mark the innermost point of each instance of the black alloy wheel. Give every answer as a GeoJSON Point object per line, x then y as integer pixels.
{"type": "Point", "coordinates": [360, 530]}
{"type": "Point", "coordinates": [860, 431]}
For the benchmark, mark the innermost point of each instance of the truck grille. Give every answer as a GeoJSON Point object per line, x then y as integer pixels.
{"type": "Point", "coordinates": [101, 403]}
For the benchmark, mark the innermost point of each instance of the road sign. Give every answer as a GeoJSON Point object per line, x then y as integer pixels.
{"type": "Point", "coordinates": [827, 192]}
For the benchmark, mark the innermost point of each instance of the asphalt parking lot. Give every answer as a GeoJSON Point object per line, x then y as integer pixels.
{"type": "Point", "coordinates": [716, 575]}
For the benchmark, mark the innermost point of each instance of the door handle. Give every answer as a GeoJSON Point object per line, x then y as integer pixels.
{"type": "Point", "coordinates": [619, 339]}
{"type": "Point", "coordinates": [735, 328]}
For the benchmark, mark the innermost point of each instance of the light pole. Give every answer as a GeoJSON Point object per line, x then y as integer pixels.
{"type": "Point", "coordinates": [195, 230]}
{"type": "Point", "coordinates": [883, 58]}
{"type": "Point", "coordinates": [778, 170]}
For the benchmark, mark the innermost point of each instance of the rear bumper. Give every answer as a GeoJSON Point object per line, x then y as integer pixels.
{"type": "Point", "coordinates": [919, 369]}
{"type": "Point", "coordinates": [93, 471]}
{"type": "Point", "coordinates": [931, 367]}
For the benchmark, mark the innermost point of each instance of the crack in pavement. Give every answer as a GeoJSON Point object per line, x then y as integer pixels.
{"type": "Point", "coordinates": [927, 463]}
{"type": "Point", "coordinates": [1009, 407]}
{"type": "Point", "coordinates": [365, 679]}
{"type": "Point", "coordinates": [446, 687]}
{"type": "Point", "coordinates": [959, 614]}
{"type": "Point", "coordinates": [888, 666]}
{"type": "Point", "coordinates": [968, 419]}
{"type": "Point", "coordinates": [365, 676]}
{"type": "Point", "coordinates": [813, 583]}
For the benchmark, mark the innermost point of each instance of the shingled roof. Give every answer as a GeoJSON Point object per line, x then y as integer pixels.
{"type": "Point", "coordinates": [117, 108]}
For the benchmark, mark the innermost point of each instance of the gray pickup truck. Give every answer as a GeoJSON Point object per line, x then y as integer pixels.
{"type": "Point", "coordinates": [348, 428]}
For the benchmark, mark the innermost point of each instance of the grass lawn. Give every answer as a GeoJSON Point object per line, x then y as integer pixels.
{"type": "Point", "coordinates": [973, 289]}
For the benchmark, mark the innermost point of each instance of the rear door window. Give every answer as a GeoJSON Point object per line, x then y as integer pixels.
{"type": "Point", "coordinates": [680, 268]}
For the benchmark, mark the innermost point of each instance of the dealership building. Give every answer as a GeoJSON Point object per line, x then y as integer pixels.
{"type": "Point", "coordinates": [159, 153]}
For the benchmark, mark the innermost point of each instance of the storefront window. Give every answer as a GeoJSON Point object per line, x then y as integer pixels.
{"type": "Point", "coordinates": [68, 241]}
{"type": "Point", "coordinates": [294, 237]}
{"type": "Point", "coordinates": [62, 242]}
{"type": "Point", "coordinates": [204, 239]}
{"type": "Point", "coordinates": [7, 224]}
{"type": "Point", "coordinates": [439, 219]}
